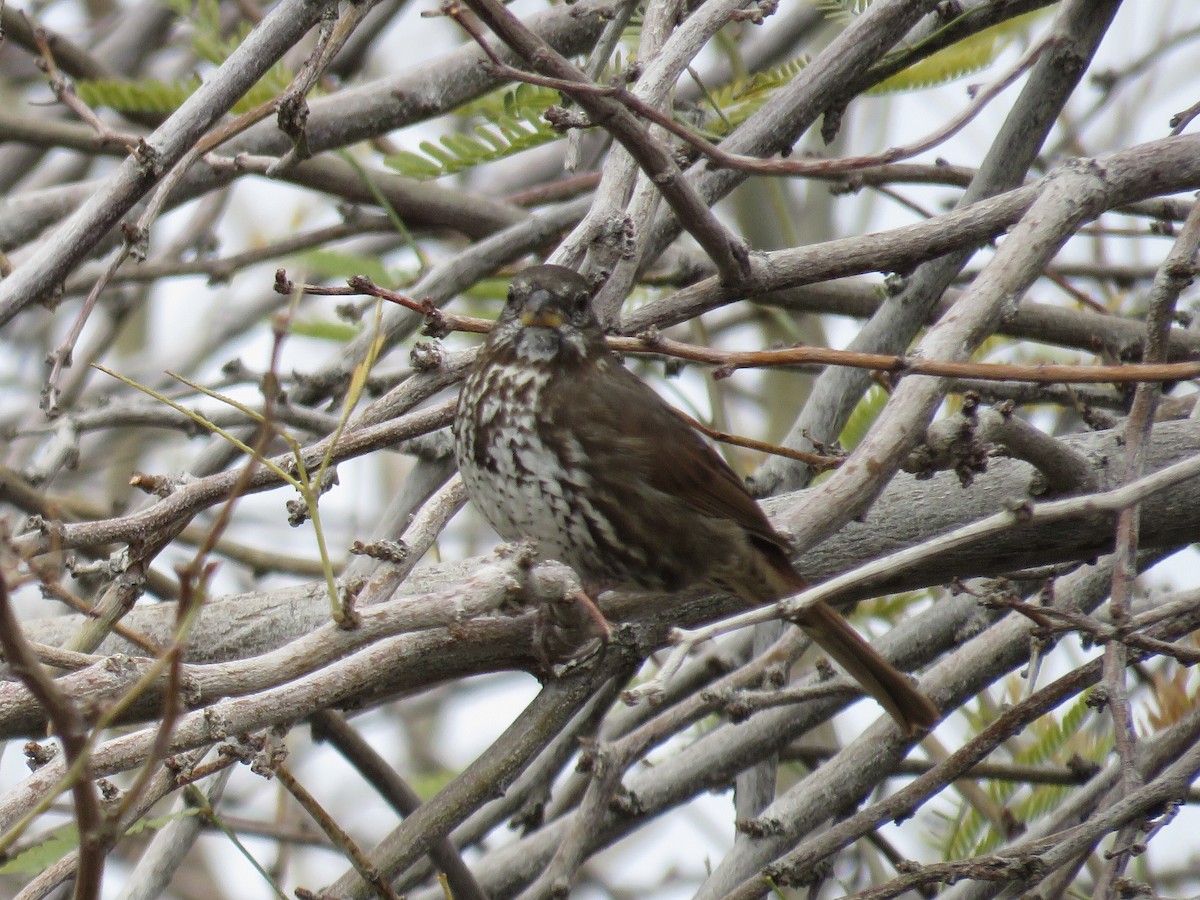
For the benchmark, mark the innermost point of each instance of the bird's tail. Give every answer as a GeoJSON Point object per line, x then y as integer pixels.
{"type": "Point", "coordinates": [883, 681]}
{"type": "Point", "coordinates": [892, 688]}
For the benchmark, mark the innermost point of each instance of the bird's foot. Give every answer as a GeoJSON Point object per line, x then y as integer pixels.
{"type": "Point", "coordinates": [570, 632]}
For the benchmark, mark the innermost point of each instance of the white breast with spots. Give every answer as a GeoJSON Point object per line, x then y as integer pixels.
{"type": "Point", "coordinates": [524, 488]}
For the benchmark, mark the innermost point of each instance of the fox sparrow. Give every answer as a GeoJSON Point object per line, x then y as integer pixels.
{"type": "Point", "coordinates": [558, 442]}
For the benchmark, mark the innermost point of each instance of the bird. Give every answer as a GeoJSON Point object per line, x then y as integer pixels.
{"type": "Point", "coordinates": [559, 443]}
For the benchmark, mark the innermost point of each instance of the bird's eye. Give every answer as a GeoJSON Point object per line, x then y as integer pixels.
{"type": "Point", "coordinates": [579, 302]}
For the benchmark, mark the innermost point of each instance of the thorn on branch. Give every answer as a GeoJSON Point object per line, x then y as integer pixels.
{"type": "Point", "coordinates": [831, 123]}
{"type": "Point", "coordinates": [895, 283]}
{"type": "Point", "coordinates": [949, 10]}
{"type": "Point", "coordinates": [755, 14]}
{"type": "Point", "coordinates": [148, 157]}
{"type": "Point", "coordinates": [137, 239]}
{"type": "Point", "coordinates": [627, 802]}
{"type": "Point", "coordinates": [292, 116]}
{"type": "Point", "coordinates": [437, 325]}
{"type": "Point", "coordinates": [1084, 768]}
{"type": "Point", "coordinates": [350, 618]}
{"type": "Point", "coordinates": [386, 551]}
{"type": "Point", "coordinates": [38, 755]}
{"type": "Point", "coordinates": [426, 356]}
{"type": "Point", "coordinates": [760, 826]}
{"type": "Point", "coordinates": [563, 120]}
{"type": "Point", "coordinates": [589, 755]}
{"type": "Point", "coordinates": [1022, 509]}
{"type": "Point", "coordinates": [156, 485]}
{"type": "Point", "coordinates": [298, 510]}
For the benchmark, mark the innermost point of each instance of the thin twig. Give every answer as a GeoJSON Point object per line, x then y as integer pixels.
{"type": "Point", "coordinates": [330, 725]}
{"type": "Point", "coordinates": [728, 361]}
{"type": "Point", "coordinates": [729, 254]}
{"type": "Point", "coordinates": [336, 834]}
{"type": "Point", "coordinates": [1176, 273]}
{"type": "Point", "coordinates": [72, 732]}
{"type": "Point", "coordinates": [1112, 501]}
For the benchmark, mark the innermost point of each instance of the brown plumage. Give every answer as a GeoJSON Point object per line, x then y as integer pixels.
{"type": "Point", "coordinates": [557, 441]}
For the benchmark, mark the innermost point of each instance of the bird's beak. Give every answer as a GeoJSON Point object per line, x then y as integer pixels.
{"type": "Point", "coordinates": [538, 312]}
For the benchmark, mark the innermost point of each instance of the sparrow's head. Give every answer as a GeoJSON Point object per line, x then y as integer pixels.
{"type": "Point", "coordinates": [548, 315]}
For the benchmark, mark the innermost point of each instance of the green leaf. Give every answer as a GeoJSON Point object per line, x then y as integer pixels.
{"type": "Point", "coordinates": [965, 57]}
{"type": "Point", "coordinates": [62, 840]}
{"type": "Point", "coordinates": [444, 156]}
{"type": "Point", "coordinates": [164, 97]}
{"type": "Point", "coordinates": [496, 139]}
{"type": "Point", "coordinates": [148, 96]}
{"type": "Point", "coordinates": [521, 102]}
{"type": "Point", "coordinates": [413, 165]}
{"type": "Point", "coordinates": [57, 844]}
{"type": "Point", "coordinates": [864, 415]}
{"type": "Point", "coordinates": [735, 102]}
{"type": "Point", "coordinates": [841, 11]}
{"type": "Point", "coordinates": [1048, 740]}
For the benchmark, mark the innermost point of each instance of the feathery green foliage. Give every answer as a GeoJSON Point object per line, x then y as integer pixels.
{"type": "Point", "coordinates": [498, 138]}
{"type": "Point", "coordinates": [842, 11]}
{"type": "Point", "coordinates": [62, 840]}
{"type": "Point", "coordinates": [735, 102]}
{"type": "Point", "coordinates": [203, 15]}
{"type": "Point", "coordinates": [164, 97]}
{"type": "Point", "coordinates": [860, 421]}
{"type": "Point", "coordinates": [49, 850]}
{"type": "Point", "coordinates": [515, 103]}
{"type": "Point", "coordinates": [890, 607]}
{"type": "Point", "coordinates": [969, 833]}
{"type": "Point", "coordinates": [962, 58]}
{"type": "Point", "coordinates": [150, 96]}
{"type": "Point", "coordinates": [147, 96]}
{"type": "Point", "coordinates": [509, 121]}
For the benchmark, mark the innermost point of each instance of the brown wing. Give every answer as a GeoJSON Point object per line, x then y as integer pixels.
{"type": "Point", "coordinates": [671, 456]}
{"type": "Point", "coordinates": [666, 452]}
